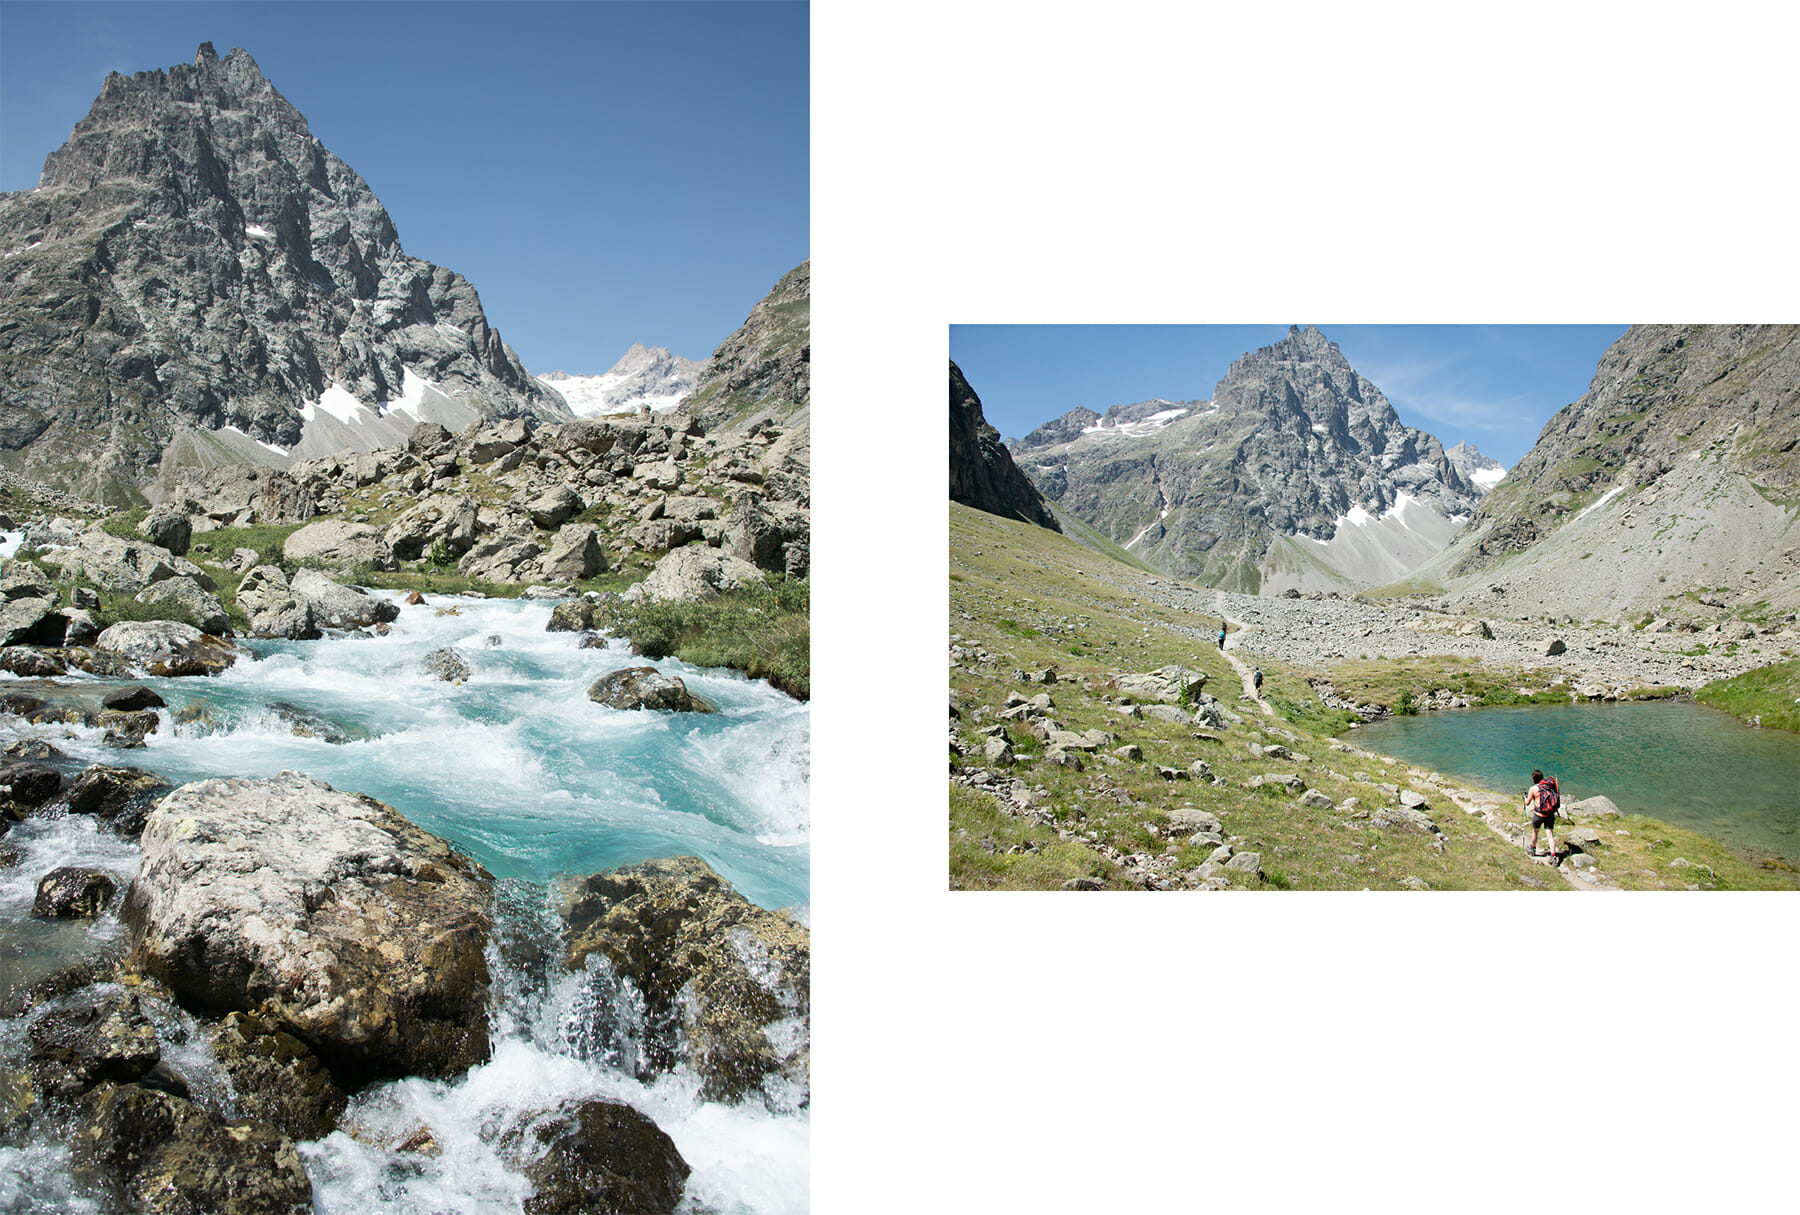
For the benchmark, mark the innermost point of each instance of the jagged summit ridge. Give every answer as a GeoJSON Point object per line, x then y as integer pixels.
{"type": "Point", "coordinates": [1480, 471]}
{"type": "Point", "coordinates": [195, 265]}
{"type": "Point", "coordinates": [1296, 473]}
{"type": "Point", "coordinates": [646, 377]}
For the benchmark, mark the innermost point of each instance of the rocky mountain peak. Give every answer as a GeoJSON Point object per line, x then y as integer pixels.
{"type": "Point", "coordinates": [1296, 473]}
{"type": "Point", "coordinates": [196, 274]}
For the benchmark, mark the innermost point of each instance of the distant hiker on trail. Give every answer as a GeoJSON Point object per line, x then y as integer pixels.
{"type": "Point", "coordinates": [1256, 680]}
{"type": "Point", "coordinates": [1221, 634]}
{"type": "Point", "coordinates": [1541, 805]}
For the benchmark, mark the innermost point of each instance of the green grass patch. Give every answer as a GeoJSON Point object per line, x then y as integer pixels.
{"type": "Point", "coordinates": [992, 850]}
{"type": "Point", "coordinates": [1767, 692]}
{"type": "Point", "coordinates": [763, 631]}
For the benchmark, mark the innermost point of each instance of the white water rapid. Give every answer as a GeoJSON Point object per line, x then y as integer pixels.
{"type": "Point", "coordinates": [519, 769]}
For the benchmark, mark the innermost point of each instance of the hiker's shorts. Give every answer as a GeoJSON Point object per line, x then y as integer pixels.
{"type": "Point", "coordinates": [1544, 820]}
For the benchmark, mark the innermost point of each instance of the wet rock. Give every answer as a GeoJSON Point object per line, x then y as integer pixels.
{"type": "Point", "coordinates": [275, 1077]}
{"type": "Point", "coordinates": [32, 748]}
{"type": "Point", "coordinates": [128, 700]}
{"type": "Point", "coordinates": [275, 609]}
{"type": "Point", "coordinates": [163, 648]}
{"type": "Point", "coordinates": [160, 1154]}
{"type": "Point", "coordinates": [722, 978]}
{"type": "Point", "coordinates": [646, 688]}
{"type": "Point", "coordinates": [84, 1040]}
{"type": "Point", "coordinates": [306, 723]}
{"type": "Point", "coordinates": [127, 730]}
{"type": "Point", "coordinates": [73, 893]}
{"type": "Point", "coordinates": [335, 606]}
{"type": "Point", "coordinates": [359, 933]}
{"type": "Point", "coordinates": [603, 1156]}
{"type": "Point", "coordinates": [31, 662]}
{"type": "Point", "coordinates": [571, 616]}
{"type": "Point", "coordinates": [28, 783]}
{"type": "Point", "coordinates": [447, 664]}
{"type": "Point", "coordinates": [120, 797]}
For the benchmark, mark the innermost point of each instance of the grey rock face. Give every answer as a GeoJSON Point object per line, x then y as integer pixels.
{"type": "Point", "coordinates": [275, 608]}
{"type": "Point", "coordinates": [1660, 394]}
{"type": "Point", "coordinates": [573, 554]}
{"type": "Point", "coordinates": [168, 529]}
{"type": "Point", "coordinates": [125, 565]}
{"type": "Point", "coordinates": [359, 933]}
{"type": "Point", "coordinates": [1292, 440]}
{"type": "Point", "coordinates": [193, 255]}
{"type": "Point", "coordinates": [765, 368]}
{"type": "Point", "coordinates": [185, 599]}
{"type": "Point", "coordinates": [982, 473]}
{"type": "Point", "coordinates": [1469, 461]}
{"type": "Point", "coordinates": [695, 573]}
{"type": "Point", "coordinates": [337, 545]}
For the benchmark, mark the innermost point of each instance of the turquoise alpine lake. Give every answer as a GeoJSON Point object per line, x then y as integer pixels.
{"type": "Point", "coordinates": [517, 767]}
{"type": "Point", "coordinates": [1683, 763]}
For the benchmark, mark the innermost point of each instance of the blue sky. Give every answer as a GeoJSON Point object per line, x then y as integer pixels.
{"type": "Point", "coordinates": [1492, 385]}
{"type": "Point", "coordinates": [603, 173]}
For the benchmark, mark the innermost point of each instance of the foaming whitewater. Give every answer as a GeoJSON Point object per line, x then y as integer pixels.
{"type": "Point", "coordinates": [519, 769]}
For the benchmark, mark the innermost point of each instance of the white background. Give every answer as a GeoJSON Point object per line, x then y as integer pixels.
{"type": "Point", "coordinates": [1291, 163]}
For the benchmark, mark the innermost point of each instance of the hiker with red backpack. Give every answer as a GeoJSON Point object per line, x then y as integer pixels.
{"type": "Point", "coordinates": [1541, 805]}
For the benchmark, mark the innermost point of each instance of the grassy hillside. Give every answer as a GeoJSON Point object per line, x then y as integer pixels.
{"type": "Point", "coordinates": [1024, 600]}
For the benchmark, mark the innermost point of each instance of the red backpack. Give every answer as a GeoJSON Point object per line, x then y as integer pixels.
{"type": "Point", "coordinates": [1549, 796]}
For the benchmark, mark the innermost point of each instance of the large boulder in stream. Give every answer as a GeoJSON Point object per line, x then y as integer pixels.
{"type": "Point", "coordinates": [601, 1156]}
{"type": "Point", "coordinates": [645, 688]}
{"type": "Point", "coordinates": [341, 607]}
{"type": "Point", "coordinates": [160, 1154]}
{"type": "Point", "coordinates": [165, 648]}
{"type": "Point", "coordinates": [275, 609]}
{"type": "Point", "coordinates": [724, 982]}
{"type": "Point", "coordinates": [356, 931]}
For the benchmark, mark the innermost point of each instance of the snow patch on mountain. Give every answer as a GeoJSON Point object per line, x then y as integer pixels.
{"type": "Point", "coordinates": [1483, 472]}
{"type": "Point", "coordinates": [647, 377]}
